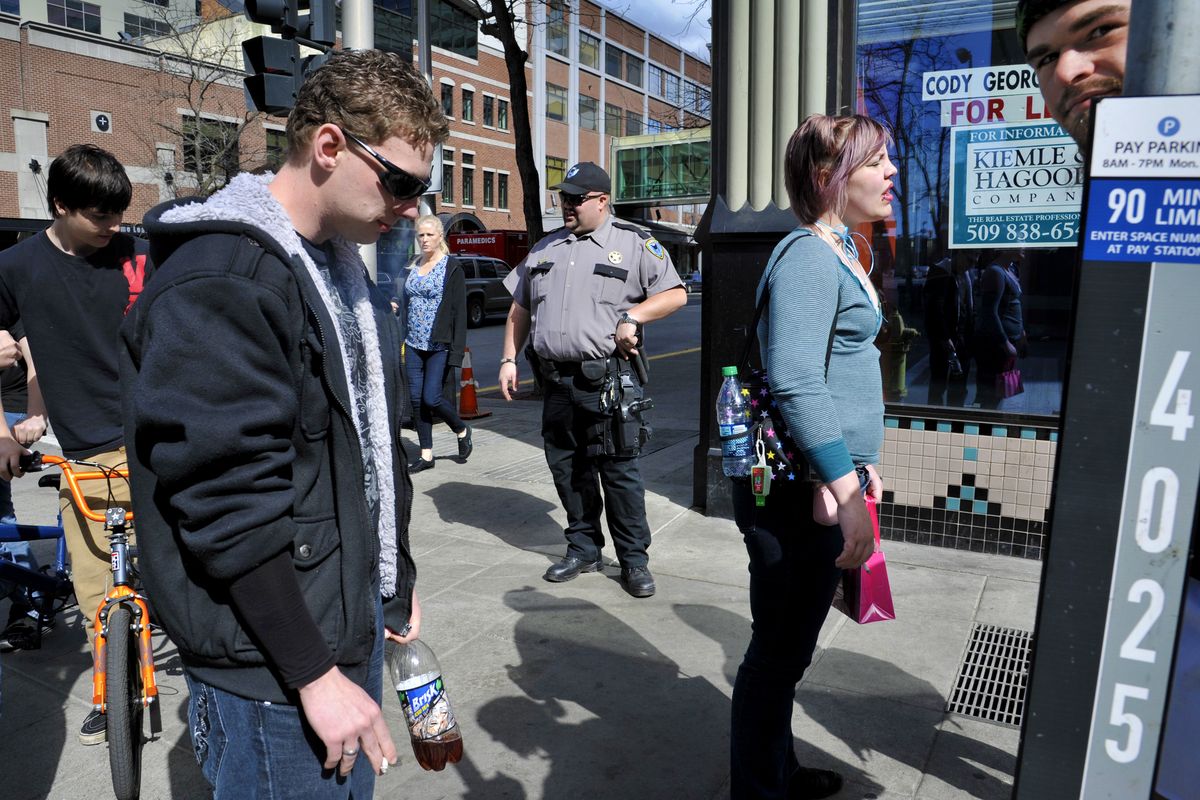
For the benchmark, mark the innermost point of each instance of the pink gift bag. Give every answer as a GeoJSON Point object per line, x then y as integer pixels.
{"type": "Point", "coordinates": [864, 594]}
{"type": "Point", "coordinates": [1008, 382]}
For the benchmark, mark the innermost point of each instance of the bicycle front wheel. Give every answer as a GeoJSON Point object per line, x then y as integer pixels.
{"type": "Point", "coordinates": [123, 704]}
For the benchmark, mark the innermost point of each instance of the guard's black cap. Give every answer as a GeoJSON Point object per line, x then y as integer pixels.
{"type": "Point", "coordinates": [1030, 11]}
{"type": "Point", "coordinates": [585, 177]}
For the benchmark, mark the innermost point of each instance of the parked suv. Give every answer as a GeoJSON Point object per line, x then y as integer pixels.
{"type": "Point", "coordinates": [485, 287]}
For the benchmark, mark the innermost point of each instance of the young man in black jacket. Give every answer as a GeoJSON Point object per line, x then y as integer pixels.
{"type": "Point", "coordinates": [262, 389]}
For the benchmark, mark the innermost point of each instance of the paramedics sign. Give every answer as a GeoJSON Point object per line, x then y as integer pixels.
{"type": "Point", "coordinates": [1016, 177]}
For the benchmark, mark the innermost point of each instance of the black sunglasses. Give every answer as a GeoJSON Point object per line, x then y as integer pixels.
{"type": "Point", "coordinates": [400, 184]}
{"type": "Point", "coordinates": [577, 199]}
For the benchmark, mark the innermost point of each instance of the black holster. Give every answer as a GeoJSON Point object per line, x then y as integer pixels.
{"type": "Point", "coordinates": [623, 400]}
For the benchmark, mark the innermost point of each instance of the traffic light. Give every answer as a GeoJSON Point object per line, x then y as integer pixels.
{"type": "Point", "coordinates": [282, 15]}
{"type": "Point", "coordinates": [273, 65]}
{"type": "Point", "coordinates": [274, 74]}
{"type": "Point", "coordinates": [316, 28]}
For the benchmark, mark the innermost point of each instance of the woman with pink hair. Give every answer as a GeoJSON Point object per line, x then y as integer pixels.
{"type": "Point", "coordinates": [816, 339]}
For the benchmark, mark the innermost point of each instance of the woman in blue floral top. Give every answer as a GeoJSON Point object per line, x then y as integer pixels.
{"type": "Point", "coordinates": [435, 300]}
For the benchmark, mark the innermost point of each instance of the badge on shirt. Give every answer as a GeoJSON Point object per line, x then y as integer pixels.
{"type": "Point", "coordinates": [615, 257]}
{"type": "Point", "coordinates": [655, 248]}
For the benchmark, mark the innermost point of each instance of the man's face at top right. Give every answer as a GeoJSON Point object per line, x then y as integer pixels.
{"type": "Point", "coordinates": [1078, 53]}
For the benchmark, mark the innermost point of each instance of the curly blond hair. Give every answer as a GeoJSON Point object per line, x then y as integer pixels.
{"type": "Point", "coordinates": [370, 93]}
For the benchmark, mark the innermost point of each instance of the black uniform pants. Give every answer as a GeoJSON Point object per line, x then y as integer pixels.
{"type": "Point", "coordinates": [571, 420]}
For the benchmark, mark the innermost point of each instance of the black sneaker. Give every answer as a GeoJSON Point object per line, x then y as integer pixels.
{"type": "Point", "coordinates": [638, 581]}
{"type": "Point", "coordinates": [22, 634]}
{"type": "Point", "coordinates": [465, 446]}
{"type": "Point", "coordinates": [813, 784]}
{"type": "Point", "coordinates": [94, 729]}
{"type": "Point", "coordinates": [420, 465]}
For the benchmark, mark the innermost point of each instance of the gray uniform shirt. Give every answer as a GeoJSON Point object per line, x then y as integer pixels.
{"type": "Point", "coordinates": [576, 287]}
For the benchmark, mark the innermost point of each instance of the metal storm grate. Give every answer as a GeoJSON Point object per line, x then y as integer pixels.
{"type": "Point", "coordinates": [993, 677]}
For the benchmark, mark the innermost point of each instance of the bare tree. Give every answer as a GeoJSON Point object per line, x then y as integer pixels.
{"type": "Point", "coordinates": [501, 22]}
{"type": "Point", "coordinates": [200, 101]}
{"type": "Point", "coordinates": [894, 97]}
{"type": "Point", "coordinates": [510, 21]}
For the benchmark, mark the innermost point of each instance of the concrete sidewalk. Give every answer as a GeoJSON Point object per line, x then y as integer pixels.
{"type": "Point", "coordinates": [578, 691]}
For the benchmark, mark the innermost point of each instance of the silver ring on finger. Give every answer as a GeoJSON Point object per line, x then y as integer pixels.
{"type": "Point", "coordinates": [350, 752]}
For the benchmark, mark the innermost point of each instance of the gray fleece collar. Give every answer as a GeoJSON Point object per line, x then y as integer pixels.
{"type": "Point", "coordinates": [246, 199]}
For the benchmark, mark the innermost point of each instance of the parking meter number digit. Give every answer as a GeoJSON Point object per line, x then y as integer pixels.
{"type": "Point", "coordinates": [1131, 648]}
{"type": "Point", "coordinates": [1120, 718]}
{"type": "Point", "coordinates": [1179, 420]}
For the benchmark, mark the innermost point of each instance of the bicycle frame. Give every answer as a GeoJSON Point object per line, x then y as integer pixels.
{"type": "Point", "coordinates": [35, 581]}
{"type": "Point", "coordinates": [123, 592]}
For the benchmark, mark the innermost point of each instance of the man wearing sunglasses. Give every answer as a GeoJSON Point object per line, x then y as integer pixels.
{"type": "Point", "coordinates": [261, 386]}
{"type": "Point", "coordinates": [582, 295]}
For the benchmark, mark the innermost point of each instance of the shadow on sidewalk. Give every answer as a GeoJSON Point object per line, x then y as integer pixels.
{"type": "Point", "coordinates": [870, 723]}
{"type": "Point", "coordinates": [608, 712]}
{"type": "Point", "coordinates": [518, 519]}
{"type": "Point", "coordinates": [35, 722]}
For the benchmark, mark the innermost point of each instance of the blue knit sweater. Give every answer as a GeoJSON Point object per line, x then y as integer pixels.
{"type": "Point", "coordinates": [836, 420]}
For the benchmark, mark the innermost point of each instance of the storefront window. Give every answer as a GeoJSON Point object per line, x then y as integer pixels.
{"type": "Point", "coordinates": [976, 266]}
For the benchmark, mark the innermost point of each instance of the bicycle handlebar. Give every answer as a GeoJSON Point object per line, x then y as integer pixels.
{"type": "Point", "coordinates": [36, 462]}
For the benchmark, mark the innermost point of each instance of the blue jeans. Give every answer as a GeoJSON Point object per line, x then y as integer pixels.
{"type": "Point", "coordinates": [792, 582]}
{"type": "Point", "coordinates": [8, 515]}
{"type": "Point", "coordinates": [426, 373]}
{"type": "Point", "coordinates": [17, 552]}
{"type": "Point", "coordinates": [253, 750]}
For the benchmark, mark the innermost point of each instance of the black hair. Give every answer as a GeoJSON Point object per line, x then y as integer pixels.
{"type": "Point", "coordinates": [86, 176]}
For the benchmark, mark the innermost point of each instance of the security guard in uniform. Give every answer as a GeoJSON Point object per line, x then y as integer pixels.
{"type": "Point", "coordinates": [584, 292]}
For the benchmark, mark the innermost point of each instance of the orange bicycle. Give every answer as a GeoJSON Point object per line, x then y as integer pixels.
{"type": "Point", "coordinates": [123, 685]}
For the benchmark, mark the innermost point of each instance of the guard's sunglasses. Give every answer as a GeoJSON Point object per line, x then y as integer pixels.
{"type": "Point", "coordinates": [400, 184]}
{"type": "Point", "coordinates": [577, 199]}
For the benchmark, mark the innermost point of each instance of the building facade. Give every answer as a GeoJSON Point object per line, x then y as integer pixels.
{"type": "Point", "coordinates": [987, 185]}
{"type": "Point", "coordinates": [123, 74]}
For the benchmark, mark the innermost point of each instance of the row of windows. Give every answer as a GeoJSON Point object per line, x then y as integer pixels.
{"type": "Point", "coordinates": [495, 109]}
{"type": "Point", "coordinates": [626, 66]}
{"type": "Point", "coordinates": [589, 107]}
{"type": "Point", "coordinates": [74, 14]}
{"type": "Point", "coordinates": [137, 26]}
{"type": "Point", "coordinates": [678, 92]}
{"type": "Point", "coordinates": [83, 16]}
{"type": "Point", "coordinates": [495, 184]}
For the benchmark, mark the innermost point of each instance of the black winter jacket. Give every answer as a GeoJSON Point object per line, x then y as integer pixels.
{"type": "Point", "coordinates": [450, 324]}
{"type": "Point", "coordinates": [252, 452]}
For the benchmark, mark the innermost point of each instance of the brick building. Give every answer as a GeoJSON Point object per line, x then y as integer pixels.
{"type": "Point", "coordinates": [97, 72]}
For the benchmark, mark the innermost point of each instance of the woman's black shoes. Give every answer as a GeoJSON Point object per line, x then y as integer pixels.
{"type": "Point", "coordinates": [465, 445]}
{"type": "Point", "coordinates": [813, 784]}
{"type": "Point", "coordinates": [420, 465]}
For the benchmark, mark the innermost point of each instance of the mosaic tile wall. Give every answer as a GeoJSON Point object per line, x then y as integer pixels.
{"type": "Point", "coordinates": [967, 485]}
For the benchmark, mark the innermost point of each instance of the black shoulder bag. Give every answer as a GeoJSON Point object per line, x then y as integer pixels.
{"type": "Point", "coordinates": [787, 462]}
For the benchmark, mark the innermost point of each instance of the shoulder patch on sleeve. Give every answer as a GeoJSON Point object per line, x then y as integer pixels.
{"type": "Point", "coordinates": [628, 226]}
{"type": "Point", "coordinates": [655, 248]}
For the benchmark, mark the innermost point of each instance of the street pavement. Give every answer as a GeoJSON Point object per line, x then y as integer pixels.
{"type": "Point", "coordinates": [578, 691]}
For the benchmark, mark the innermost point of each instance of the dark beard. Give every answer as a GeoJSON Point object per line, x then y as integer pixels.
{"type": "Point", "coordinates": [1082, 124]}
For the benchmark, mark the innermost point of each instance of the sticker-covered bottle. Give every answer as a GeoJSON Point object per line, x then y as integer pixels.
{"type": "Point", "coordinates": [417, 677]}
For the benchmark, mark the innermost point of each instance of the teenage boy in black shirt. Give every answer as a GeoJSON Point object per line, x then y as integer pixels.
{"type": "Point", "coordinates": [71, 286]}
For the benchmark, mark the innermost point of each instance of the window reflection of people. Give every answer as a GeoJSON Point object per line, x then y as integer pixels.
{"type": "Point", "coordinates": [950, 326]}
{"type": "Point", "coordinates": [1000, 327]}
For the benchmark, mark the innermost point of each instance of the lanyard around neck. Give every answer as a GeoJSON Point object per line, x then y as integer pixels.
{"type": "Point", "coordinates": [842, 232]}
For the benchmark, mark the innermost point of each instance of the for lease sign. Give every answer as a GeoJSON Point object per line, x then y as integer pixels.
{"type": "Point", "coordinates": [1016, 177]}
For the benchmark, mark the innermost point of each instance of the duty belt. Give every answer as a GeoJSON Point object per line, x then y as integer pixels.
{"type": "Point", "coordinates": [594, 368]}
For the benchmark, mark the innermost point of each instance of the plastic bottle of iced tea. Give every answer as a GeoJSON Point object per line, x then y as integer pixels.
{"type": "Point", "coordinates": [431, 725]}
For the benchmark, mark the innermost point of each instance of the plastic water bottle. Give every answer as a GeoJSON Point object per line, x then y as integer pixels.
{"type": "Point", "coordinates": [417, 677]}
{"type": "Point", "coordinates": [737, 451]}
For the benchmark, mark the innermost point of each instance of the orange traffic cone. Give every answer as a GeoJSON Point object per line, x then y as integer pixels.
{"type": "Point", "coordinates": [468, 406]}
